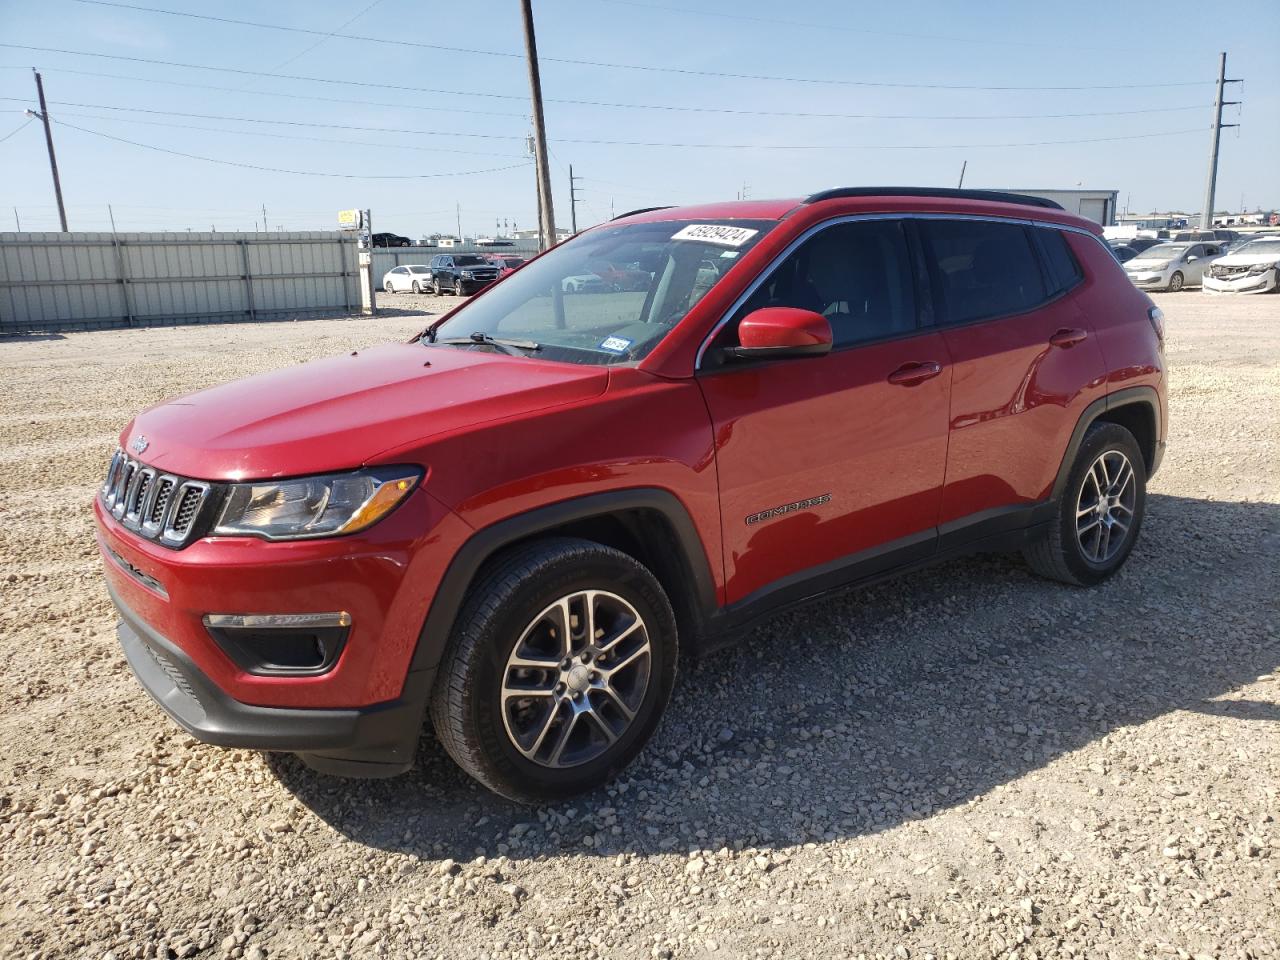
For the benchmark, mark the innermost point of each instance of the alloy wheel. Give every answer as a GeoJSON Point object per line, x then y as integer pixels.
{"type": "Point", "coordinates": [1105, 507]}
{"type": "Point", "coordinates": [575, 679]}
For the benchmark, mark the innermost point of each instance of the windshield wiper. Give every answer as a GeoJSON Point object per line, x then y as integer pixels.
{"type": "Point", "coordinates": [509, 347]}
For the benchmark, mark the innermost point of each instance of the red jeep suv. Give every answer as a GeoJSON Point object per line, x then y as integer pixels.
{"type": "Point", "coordinates": [517, 523]}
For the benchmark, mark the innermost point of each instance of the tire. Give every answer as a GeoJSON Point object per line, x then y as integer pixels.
{"type": "Point", "coordinates": [457, 289]}
{"type": "Point", "coordinates": [435, 286]}
{"type": "Point", "coordinates": [1177, 281]}
{"type": "Point", "coordinates": [1077, 558]}
{"type": "Point", "coordinates": [507, 609]}
{"type": "Point", "coordinates": [388, 287]}
{"type": "Point", "coordinates": [417, 287]}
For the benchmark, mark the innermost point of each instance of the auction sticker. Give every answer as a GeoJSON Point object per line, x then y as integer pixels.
{"type": "Point", "coordinates": [615, 344]}
{"type": "Point", "coordinates": [712, 233]}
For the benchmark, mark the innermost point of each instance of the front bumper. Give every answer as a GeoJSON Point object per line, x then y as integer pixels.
{"type": "Point", "coordinates": [1259, 283]}
{"type": "Point", "coordinates": [374, 741]}
{"type": "Point", "coordinates": [1149, 281]}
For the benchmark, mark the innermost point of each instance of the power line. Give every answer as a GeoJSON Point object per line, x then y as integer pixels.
{"type": "Point", "coordinates": [647, 68]}
{"type": "Point", "coordinates": [291, 123]}
{"type": "Point", "coordinates": [18, 129]}
{"type": "Point", "coordinates": [613, 105]}
{"type": "Point", "coordinates": [282, 136]}
{"type": "Point", "coordinates": [686, 145]}
{"type": "Point", "coordinates": [847, 29]}
{"type": "Point", "coordinates": [303, 173]}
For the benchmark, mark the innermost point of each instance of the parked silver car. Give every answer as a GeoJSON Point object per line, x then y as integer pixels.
{"type": "Point", "coordinates": [1171, 266]}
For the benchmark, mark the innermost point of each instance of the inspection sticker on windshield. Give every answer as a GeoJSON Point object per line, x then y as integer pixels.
{"type": "Point", "coordinates": [616, 344]}
{"type": "Point", "coordinates": [711, 233]}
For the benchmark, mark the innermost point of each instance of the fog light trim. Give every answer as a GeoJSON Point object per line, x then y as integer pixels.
{"type": "Point", "coordinates": [273, 621]}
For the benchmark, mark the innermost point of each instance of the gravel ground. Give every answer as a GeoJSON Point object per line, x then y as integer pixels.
{"type": "Point", "coordinates": [965, 763]}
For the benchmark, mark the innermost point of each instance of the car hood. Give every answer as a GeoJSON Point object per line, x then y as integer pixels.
{"type": "Point", "coordinates": [1137, 263]}
{"type": "Point", "coordinates": [1247, 259]}
{"type": "Point", "coordinates": [339, 413]}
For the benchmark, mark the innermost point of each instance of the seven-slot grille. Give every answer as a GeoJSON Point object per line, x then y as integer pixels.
{"type": "Point", "coordinates": [159, 506]}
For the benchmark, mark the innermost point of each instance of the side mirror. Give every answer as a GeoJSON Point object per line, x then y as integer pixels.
{"type": "Point", "coordinates": [1192, 259]}
{"type": "Point", "coordinates": [772, 332]}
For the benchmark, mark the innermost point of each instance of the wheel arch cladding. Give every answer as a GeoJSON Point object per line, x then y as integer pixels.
{"type": "Point", "coordinates": [648, 524]}
{"type": "Point", "coordinates": [1137, 409]}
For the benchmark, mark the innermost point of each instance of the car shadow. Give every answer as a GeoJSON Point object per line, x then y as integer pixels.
{"type": "Point", "coordinates": [876, 707]}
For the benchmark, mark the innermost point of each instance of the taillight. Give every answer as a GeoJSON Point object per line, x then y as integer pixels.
{"type": "Point", "coordinates": [1156, 316]}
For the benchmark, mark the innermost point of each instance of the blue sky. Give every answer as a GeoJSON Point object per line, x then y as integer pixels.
{"type": "Point", "coordinates": [921, 50]}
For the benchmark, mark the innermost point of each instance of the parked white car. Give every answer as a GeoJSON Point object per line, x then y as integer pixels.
{"type": "Point", "coordinates": [413, 277]}
{"type": "Point", "coordinates": [1252, 267]}
{"type": "Point", "coordinates": [1171, 266]}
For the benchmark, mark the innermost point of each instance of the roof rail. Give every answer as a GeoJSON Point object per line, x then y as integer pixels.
{"type": "Point", "coordinates": [632, 213]}
{"type": "Point", "coordinates": [996, 196]}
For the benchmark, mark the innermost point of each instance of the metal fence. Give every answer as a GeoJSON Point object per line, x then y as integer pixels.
{"type": "Point", "coordinates": [70, 281]}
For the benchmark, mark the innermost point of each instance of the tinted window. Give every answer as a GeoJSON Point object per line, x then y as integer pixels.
{"type": "Point", "coordinates": [857, 275]}
{"type": "Point", "coordinates": [985, 269]}
{"type": "Point", "coordinates": [1062, 263]}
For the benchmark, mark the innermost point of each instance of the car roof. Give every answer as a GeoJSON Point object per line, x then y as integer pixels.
{"type": "Point", "coordinates": [874, 200]}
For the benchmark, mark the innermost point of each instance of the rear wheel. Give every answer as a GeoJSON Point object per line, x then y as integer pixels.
{"type": "Point", "coordinates": [1099, 513]}
{"type": "Point", "coordinates": [558, 672]}
{"type": "Point", "coordinates": [1177, 281]}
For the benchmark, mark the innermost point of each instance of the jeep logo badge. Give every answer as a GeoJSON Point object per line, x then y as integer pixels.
{"type": "Point", "coordinates": [139, 444]}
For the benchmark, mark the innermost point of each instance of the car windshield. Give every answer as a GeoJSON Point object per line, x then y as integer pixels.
{"type": "Point", "coordinates": [419, 270]}
{"type": "Point", "coordinates": [1165, 251]}
{"type": "Point", "coordinates": [1261, 247]}
{"type": "Point", "coordinates": [611, 294]}
{"type": "Point", "coordinates": [470, 261]}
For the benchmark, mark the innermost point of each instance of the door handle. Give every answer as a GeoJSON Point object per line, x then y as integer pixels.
{"type": "Point", "coordinates": [909, 374]}
{"type": "Point", "coordinates": [1068, 337]}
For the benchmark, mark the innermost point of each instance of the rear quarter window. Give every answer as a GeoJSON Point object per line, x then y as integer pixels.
{"type": "Point", "coordinates": [1064, 271]}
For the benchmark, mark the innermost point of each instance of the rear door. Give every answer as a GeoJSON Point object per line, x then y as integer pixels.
{"type": "Point", "coordinates": [829, 466]}
{"type": "Point", "coordinates": [1026, 364]}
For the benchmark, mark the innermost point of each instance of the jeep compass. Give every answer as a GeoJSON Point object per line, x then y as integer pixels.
{"type": "Point", "coordinates": [514, 527]}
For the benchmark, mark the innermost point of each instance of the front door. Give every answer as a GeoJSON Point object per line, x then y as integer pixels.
{"type": "Point", "coordinates": [829, 466]}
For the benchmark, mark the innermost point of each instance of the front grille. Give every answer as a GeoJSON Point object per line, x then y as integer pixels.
{"type": "Point", "coordinates": [159, 506]}
{"type": "Point", "coordinates": [1222, 270]}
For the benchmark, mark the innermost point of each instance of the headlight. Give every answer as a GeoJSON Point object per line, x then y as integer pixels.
{"type": "Point", "coordinates": [1259, 269]}
{"type": "Point", "coordinates": [466, 275]}
{"type": "Point", "coordinates": [315, 506]}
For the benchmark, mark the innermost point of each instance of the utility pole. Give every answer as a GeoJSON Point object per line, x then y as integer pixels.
{"type": "Point", "coordinates": [573, 200]}
{"type": "Point", "coordinates": [264, 218]}
{"type": "Point", "coordinates": [963, 167]}
{"type": "Point", "coordinates": [16, 221]}
{"type": "Point", "coordinates": [458, 210]}
{"type": "Point", "coordinates": [48, 139]}
{"type": "Point", "coordinates": [1206, 213]}
{"type": "Point", "coordinates": [546, 213]}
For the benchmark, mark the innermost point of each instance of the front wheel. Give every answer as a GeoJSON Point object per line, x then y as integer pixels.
{"type": "Point", "coordinates": [417, 287]}
{"type": "Point", "coordinates": [388, 287]}
{"type": "Point", "coordinates": [435, 287]}
{"type": "Point", "coordinates": [1099, 513]}
{"type": "Point", "coordinates": [1177, 281]}
{"type": "Point", "coordinates": [561, 664]}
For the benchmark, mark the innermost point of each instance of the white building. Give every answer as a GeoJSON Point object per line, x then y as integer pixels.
{"type": "Point", "coordinates": [1096, 205]}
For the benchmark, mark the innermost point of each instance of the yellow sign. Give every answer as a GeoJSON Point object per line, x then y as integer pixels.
{"type": "Point", "coordinates": [348, 219]}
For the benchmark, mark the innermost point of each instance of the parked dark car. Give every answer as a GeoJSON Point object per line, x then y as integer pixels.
{"type": "Point", "coordinates": [461, 273]}
{"type": "Point", "coordinates": [390, 240]}
{"type": "Point", "coordinates": [1124, 253]}
{"type": "Point", "coordinates": [1137, 244]}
